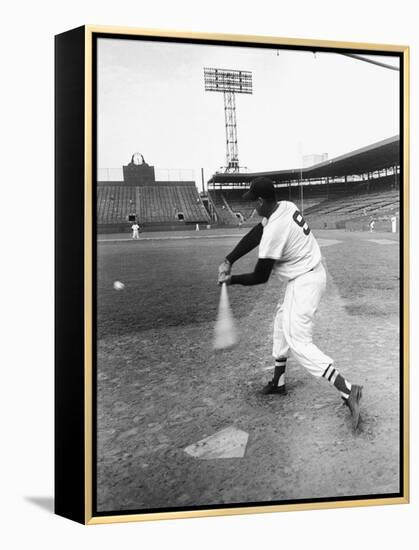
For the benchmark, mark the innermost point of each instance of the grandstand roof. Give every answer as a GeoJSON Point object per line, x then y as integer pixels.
{"type": "Point", "coordinates": [374, 157]}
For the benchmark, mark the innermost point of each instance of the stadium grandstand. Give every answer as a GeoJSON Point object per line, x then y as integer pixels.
{"type": "Point", "coordinates": [153, 204]}
{"type": "Point", "coordinates": [340, 193]}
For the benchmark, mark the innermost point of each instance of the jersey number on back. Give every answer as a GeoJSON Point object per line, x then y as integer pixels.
{"type": "Point", "coordinates": [299, 220]}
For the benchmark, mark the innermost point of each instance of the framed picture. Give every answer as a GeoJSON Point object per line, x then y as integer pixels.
{"type": "Point", "coordinates": [232, 273]}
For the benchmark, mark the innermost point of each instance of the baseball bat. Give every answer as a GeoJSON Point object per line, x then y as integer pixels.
{"type": "Point", "coordinates": [225, 332]}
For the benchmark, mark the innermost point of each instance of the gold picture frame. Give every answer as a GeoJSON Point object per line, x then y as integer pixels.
{"type": "Point", "coordinates": [76, 289]}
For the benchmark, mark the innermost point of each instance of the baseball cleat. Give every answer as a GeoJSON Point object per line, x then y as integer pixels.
{"type": "Point", "coordinates": [353, 404]}
{"type": "Point", "coordinates": [271, 388]}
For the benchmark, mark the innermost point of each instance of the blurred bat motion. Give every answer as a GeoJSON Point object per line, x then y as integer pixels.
{"type": "Point", "coordinates": [225, 332]}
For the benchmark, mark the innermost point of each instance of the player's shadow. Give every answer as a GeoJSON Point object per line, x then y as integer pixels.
{"type": "Point", "coordinates": [46, 503]}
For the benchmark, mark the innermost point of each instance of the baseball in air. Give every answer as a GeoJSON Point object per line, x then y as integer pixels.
{"type": "Point", "coordinates": [118, 285]}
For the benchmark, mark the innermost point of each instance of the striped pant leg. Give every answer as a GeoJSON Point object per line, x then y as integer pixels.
{"type": "Point", "coordinates": [302, 298]}
{"type": "Point", "coordinates": [280, 346]}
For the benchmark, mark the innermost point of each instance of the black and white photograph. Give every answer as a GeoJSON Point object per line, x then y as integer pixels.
{"type": "Point", "coordinates": [248, 266]}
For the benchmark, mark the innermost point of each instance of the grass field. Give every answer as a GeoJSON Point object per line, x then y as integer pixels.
{"type": "Point", "coordinates": [161, 387]}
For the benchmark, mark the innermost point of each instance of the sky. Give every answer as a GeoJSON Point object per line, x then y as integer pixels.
{"type": "Point", "coordinates": [151, 99]}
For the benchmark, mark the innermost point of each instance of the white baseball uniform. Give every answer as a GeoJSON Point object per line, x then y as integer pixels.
{"type": "Point", "coordinates": [135, 227]}
{"type": "Point", "coordinates": [393, 224]}
{"type": "Point", "coordinates": [288, 240]}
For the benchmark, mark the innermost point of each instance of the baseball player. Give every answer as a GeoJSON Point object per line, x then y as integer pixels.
{"type": "Point", "coordinates": [135, 227]}
{"type": "Point", "coordinates": [393, 224]}
{"type": "Point", "coordinates": [288, 248]}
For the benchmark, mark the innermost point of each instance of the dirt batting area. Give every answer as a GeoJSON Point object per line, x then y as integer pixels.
{"type": "Point", "coordinates": [161, 388]}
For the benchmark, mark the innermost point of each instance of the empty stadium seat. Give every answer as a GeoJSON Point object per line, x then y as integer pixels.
{"type": "Point", "coordinates": [114, 203]}
{"type": "Point", "coordinates": [162, 203]}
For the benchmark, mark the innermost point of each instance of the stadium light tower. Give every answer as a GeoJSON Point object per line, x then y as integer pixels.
{"type": "Point", "coordinates": [230, 83]}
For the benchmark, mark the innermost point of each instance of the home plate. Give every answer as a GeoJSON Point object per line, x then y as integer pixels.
{"type": "Point", "coordinates": [228, 443]}
{"type": "Point", "coordinates": [382, 241]}
{"type": "Point", "coordinates": [327, 242]}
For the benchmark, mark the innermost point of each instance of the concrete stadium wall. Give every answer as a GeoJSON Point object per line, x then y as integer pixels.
{"type": "Point", "coordinates": [126, 228]}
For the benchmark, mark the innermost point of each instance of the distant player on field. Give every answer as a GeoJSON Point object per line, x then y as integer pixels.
{"type": "Point", "coordinates": [288, 247]}
{"type": "Point", "coordinates": [135, 230]}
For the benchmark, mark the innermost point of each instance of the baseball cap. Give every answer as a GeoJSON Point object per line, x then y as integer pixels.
{"type": "Point", "coordinates": [260, 187]}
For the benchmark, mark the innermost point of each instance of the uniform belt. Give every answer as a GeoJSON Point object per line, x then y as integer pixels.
{"type": "Point", "coordinates": [315, 267]}
{"type": "Point", "coordinates": [305, 272]}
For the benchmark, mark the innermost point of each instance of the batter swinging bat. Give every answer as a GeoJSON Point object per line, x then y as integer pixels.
{"type": "Point", "coordinates": [225, 333]}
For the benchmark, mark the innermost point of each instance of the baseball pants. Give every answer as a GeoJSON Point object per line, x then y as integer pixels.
{"type": "Point", "coordinates": [293, 325]}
